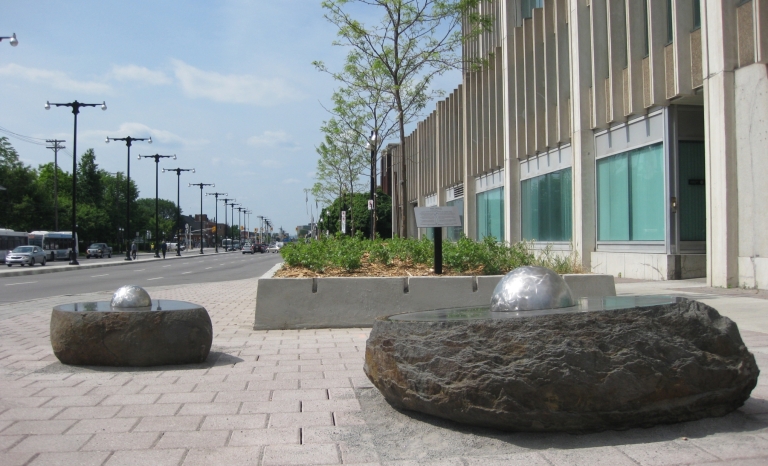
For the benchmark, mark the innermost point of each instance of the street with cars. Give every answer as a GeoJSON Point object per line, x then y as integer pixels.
{"type": "Point", "coordinates": [109, 274]}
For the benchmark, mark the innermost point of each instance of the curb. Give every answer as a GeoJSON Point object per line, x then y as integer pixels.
{"type": "Point", "coordinates": [41, 270]}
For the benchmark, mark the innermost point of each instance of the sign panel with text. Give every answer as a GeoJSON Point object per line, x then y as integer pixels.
{"type": "Point", "coordinates": [432, 217]}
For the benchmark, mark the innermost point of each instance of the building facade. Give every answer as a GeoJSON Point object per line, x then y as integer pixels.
{"type": "Point", "coordinates": [633, 133]}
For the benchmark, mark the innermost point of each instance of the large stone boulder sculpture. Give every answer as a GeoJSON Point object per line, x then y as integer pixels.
{"type": "Point", "coordinates": [575, 370]}
{"type": "Point", "coordinates": [131, 330]}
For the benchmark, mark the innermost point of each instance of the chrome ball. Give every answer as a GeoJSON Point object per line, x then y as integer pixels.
{"type": "Point", "coordinates": [531, 288]}
{"type": "Point", "coordinates": [131, 296]}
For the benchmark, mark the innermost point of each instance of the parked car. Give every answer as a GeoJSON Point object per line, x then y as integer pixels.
{"type": "Point", "coordinates": [98, 250]}
{"type": "Point", "coordinates": [25, 255]}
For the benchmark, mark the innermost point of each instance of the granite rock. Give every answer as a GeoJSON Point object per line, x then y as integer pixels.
{"type": "Point", "coordinates": [131, 338]}
{"type": "Point", "coordinates": [573, 372]}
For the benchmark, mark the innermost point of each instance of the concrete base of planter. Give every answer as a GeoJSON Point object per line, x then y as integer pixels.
{"type": "Point", "coordinates": [296, 303]}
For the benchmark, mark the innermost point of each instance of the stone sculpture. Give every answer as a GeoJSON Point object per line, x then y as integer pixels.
{"type": "Point", "coordinates": [614, 363]}
{"type": "Point", "coordinates": [132, 330]}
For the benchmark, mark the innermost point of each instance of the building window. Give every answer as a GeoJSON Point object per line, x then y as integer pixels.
{"type": "Point", "coordinates": [696, 14]}
{"type": "Point", "coordinates": [670, 26]}
{"type": "Point", "coordinates": [528, 5]}
{"type": "Point", "coordinates": [645, 28]}
{"type": "Point", "coordinates": [630, 195]}
{"type": "Point", "coordinates": [454, 233]}
{"type": "Point", "coordinates": [490, 214]}
{"type": "Point", "coordinates": [546, 207]}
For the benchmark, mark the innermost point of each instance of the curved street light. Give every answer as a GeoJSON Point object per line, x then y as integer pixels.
{"type": "Point", "coordinates": [178, 203]}
{"type": "Point", "coordinates": [75, 106]}
{"type": "Point", "coordinates": [14, 42]}
{"type": "Point", "coordinates": [128, 142]}
{"type": "Point", "coordinates": [216, 219]}
{"type": "Point", "coordinates": [213, 185]}
{"type": "Point", "coordinates": [157, 158]}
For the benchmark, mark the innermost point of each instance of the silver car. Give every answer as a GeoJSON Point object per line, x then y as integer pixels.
{"type": "Point", "coordinates": [25, 255]}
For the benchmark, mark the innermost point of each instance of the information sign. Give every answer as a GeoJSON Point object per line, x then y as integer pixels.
{"type": "Point", "coordinates": [431, 217]}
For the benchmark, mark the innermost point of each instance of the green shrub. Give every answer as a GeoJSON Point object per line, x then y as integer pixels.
{"type": "Point", "coordinates": [487, 257]}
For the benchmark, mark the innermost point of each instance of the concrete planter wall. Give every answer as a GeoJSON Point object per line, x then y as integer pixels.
{"type": "Point", "coordinates": [296, 303]}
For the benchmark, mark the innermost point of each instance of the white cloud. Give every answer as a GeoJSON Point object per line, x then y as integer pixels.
{"type": "Point", "coordinates": [139, 73]}
{"type": "Point", "coordinates": [278, 139]}
{"type": "Point", "coordinates": [239, 89]}
{"type": "Point", "coordinates": [140, 130]}
{"type": "Point", "coordinates": [269, 163]}
{"type": "Point", "coordinates": [55, 79]}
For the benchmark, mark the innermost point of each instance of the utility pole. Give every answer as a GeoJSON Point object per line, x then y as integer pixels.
{"type": "Point", "coordinates": [56, 148]}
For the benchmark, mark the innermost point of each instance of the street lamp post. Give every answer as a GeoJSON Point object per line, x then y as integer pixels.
{"type": "Point", "coordinates": [157, 158]}
{"type": "Point", "coordinates": [248, 224]}
{"type": "Point", "coordinates": [178, 203]}
{"type": "Point", "coordinates": [261, 228]}
{"type": "Point", "coordinates": [213, 185]}
{"type": "Point", "coordinates": [372, 199]}
{"type": "Point", "coordinates": [240, 210]}
{"type": "Point", "coordinates": [226, 200]}
{"type": "Point", "coordinates": [12, 39]}
{"type": "Point", "coordinates": [233, 219]}
{"type": "Point", "coordinates": [216, 219]}
{"type": "Point", "coordinates": [75, 106]}
{"type": "Point", "coordinates": [128, 142]}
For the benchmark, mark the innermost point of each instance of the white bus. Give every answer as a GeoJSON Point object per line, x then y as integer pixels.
{"type": "Point", "coordinates": [56, 244]}
{"type": "Point", "coordinates": [9, 239]}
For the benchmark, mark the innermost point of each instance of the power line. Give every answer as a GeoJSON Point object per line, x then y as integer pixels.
{"type": "Point", "coordinates": [31, 140]}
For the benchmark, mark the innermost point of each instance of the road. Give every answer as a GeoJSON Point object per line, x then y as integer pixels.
{"type": "Point", "coordinates": [146, 271]}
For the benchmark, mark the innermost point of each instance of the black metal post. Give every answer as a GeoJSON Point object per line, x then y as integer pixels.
{"type": "Point", "coordinates": [438, 233]}
{"type": "Point", "coordinates": [128, 142]}
{"type": "Point", "coordinates": [216, 219]}
{"type": "Point", "coordinates": [157, 158]}
{"type": "Point", "coordinates": [201, 209]}
{"type": "Point", "coordinates": [178, 203]}
{"type": "Point", "coordinates": [226, 200]}
{"type": "Point", "coordinates": [233, 219]}
{"type": "Point", "coordinates": [373, 185]}
{"type": "Point", "coordinates": [75, 110]}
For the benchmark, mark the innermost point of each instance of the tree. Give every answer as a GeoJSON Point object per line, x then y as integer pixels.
{"type": "Point", "coordinates": [358, 206]}
{"type": "Point", "coordinates": [24, 206]}
{"type": "Point", "coordinates": [414, 41]}
{"type": "Point", "coordinates": [342, 161]}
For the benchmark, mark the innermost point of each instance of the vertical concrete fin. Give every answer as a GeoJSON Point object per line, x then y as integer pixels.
{"type": "Point", "coordinates": [406, 288]}
{"type": "Point", "coordinates": [474, 283]}
{"type": "Point", "coordinates": [314, 285]}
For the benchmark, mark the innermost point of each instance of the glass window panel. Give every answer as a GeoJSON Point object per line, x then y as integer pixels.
{"type": "Point", "coordinates": [613, 198]}
{"type": "Point", "coordinates": [630, 195]}
{"type": "Point", "coordinates": [647, 193]}
{"type": "Point", "coordinates": [454, 233]}
{"type": "Point", "coordinates": [490, 214]}
{"type": "Point", "coordinates": [546, 207]}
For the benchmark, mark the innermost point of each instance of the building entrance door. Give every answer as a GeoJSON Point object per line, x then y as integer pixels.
{"type": "Point", "coordinates": [692, 196]}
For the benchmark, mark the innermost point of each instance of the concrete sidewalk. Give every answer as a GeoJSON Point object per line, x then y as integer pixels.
{"type": "Point", "coordinates": [301, 397]}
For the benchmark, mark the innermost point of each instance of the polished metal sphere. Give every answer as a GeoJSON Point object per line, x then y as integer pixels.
{"type": "Point", "coordinates": [529, 289]}
{"type": "Point", "coordinates": [130, 296]}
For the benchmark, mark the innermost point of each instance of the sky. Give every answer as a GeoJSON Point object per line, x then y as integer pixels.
{"type": "Point", "coordinates": [228, 86]}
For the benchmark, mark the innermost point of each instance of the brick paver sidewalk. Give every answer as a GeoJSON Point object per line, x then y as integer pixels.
{"type": "Point", "coordinates": [288, 397]}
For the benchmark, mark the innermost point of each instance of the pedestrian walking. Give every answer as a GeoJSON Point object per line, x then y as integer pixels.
{"type": "Point", "coordinates": [134, 248]}
{"type": "Point", "coordinates": [164, 247]}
